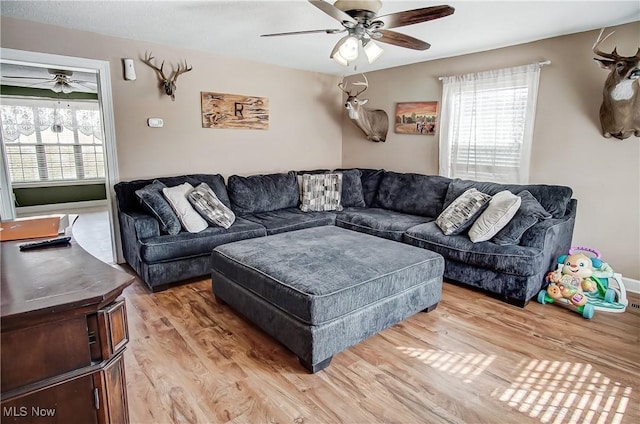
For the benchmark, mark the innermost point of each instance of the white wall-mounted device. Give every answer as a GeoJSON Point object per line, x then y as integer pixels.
{"type": "Point", "coordinates": [129, 70]}
{"type": "Point", "coordinates": [155, 122]}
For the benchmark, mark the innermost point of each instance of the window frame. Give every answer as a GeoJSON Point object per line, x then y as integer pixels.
{"type": "Point", "coordinates": [76, 104]}
{"type": "Point", "coordinates": [465, 99]}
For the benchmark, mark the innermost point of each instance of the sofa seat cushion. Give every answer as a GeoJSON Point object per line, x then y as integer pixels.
{"type": "Point", "coordinates": [512, 259]}
{"type": "Point", "coordinates": [185, 244]}
{"type": "Point", "coordinates": [378, 222]}
{"type": "Point", "coordinates": [321, 274]}
{"type": "Point", "coordinates": [291, 219]}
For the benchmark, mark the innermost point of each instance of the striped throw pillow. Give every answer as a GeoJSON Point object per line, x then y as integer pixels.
{"type": "Point", "coordinates": [205, 201]}
{"type": "Point", "coordinates": [321, 192]}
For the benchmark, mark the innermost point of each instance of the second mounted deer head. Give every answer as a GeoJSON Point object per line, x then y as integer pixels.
{"type": "Point", "coordinates": [620, 109]}
{"type": "Point", "coordinates": [373, 122]}
{"type": "Point", "coordinates": [168, 84]}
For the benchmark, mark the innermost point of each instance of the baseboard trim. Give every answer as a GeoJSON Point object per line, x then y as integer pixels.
{"type": "Point", "coordinates": [631, 285]}
{"type": "Point", "coordinates": [59, 207]}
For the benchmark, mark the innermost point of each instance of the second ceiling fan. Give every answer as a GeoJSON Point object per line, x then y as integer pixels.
{"type": "Point", "coordinates": [362, 25]}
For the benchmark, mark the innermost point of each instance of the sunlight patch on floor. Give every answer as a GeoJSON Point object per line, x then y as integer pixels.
{"type": "Point", "coordinates": [464, 365]}
{"type": "Point", "coordinates": [559, 392]}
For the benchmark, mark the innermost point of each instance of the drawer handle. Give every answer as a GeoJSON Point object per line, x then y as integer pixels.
{"type": "Point", "coordinates": [96, 398]}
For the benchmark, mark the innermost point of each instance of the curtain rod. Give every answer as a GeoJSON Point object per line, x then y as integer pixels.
{"type": "Point", "coordinates": [540, 64]}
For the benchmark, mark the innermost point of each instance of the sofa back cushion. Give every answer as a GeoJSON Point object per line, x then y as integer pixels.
{"type": "Point", "coordinates": [263, 193]}
{"type": "Point", "coordinates": [553, 198]}
{"type": "Point", "coordinates": [129, 202]}
{"type": "Point", "coordinates": [414, 194]}
{"type": "Point", "coordinates": [370, 179]}
{"type": "Point", "coordinates": [352, 194]}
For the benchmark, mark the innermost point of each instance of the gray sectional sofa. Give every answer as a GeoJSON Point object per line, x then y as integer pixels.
{"type": "Point", "coordinates": [396, 206]}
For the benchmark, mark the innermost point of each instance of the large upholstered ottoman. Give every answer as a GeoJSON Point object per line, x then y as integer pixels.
{"type": "Point", "coordinates": [321, 290]}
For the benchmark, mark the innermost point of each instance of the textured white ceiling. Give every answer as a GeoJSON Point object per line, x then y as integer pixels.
{"type": "Point", "coordinates": [233, 28]}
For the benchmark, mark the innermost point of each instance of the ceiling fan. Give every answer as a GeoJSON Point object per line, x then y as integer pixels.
{"type": "Point", "coordinates": [362, 25]}
{"type": "Point", "coordinates": [59, 81]}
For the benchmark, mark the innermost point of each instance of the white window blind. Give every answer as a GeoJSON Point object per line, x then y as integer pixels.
{"type": "Point", "coordinates": [487, 124]}
{"type": "Point", "coordinates": [52, 141]}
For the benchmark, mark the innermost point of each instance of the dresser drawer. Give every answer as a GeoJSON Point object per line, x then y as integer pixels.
{"type": "Point", "coordinates": [112, 328]}
{"type": "Point", "coordinates": [29, 355]}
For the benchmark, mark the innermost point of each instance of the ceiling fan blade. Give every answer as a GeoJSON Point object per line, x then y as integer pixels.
{"type": "Point", "coordinates": [85, 84]}
{"type": "Point", "coordinates": [35, 84]}
{"type": "Point", "coordinates": [402, 40]}
{"type": "Point", "coordinates": [415, 16]}
{"type": "Point", "coordinates": [313, 31]}
{"type": "Point", "coordinates": [333, 11]}
{"type": "Point", "coordinates": [31, 78]}
{"type": "Point", "coordinates": [82, 85]}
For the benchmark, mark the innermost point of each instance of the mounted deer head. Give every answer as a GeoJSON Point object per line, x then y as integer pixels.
{"type": "Point", "coordinates": [620, 110]}
{"type": "Point", "coordinates": [373, 122]}
{"type": "Point", "coordinates": [168, 84]}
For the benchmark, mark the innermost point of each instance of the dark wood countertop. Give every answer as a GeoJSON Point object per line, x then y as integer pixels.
{"type": "Point", "coordinates": [41, 282]}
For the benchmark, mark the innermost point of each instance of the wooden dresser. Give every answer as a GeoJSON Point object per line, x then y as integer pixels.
{"type": "Point", "coordinates": [63, 334]}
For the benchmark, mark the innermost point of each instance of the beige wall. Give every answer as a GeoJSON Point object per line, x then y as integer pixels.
{"type": "Point", "coordinates": [304, 124]}
{"type": "Point", "coordinates": [306, 129]}
{"type": "Point", "coordinates": [568, 148]}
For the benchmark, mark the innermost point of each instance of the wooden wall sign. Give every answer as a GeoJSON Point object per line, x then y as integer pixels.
{"type": "Point", "coordinates": [234, 111]}
{"type": "Point", "coordinates": [416, 118]}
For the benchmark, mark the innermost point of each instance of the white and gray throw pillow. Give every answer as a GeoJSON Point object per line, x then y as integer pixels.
{"type": "Point", "coordinates": [321, 192]}
{"type": "Point", "coordinates": [461, 213]}
{"type": "Point", "coordinates": [177, 198]}
{"type": "Point", "coordinates": [205, 201]}
{"type": "Point", "coordinates": [502, 208]}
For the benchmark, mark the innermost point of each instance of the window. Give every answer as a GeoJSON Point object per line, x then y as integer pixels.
{"type": "Point", "coordinates": [487, 124]}
{"type": "Point", "coordinates": [49, 140]}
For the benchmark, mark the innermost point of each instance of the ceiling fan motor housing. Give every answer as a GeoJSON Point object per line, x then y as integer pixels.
{"type": "Point", "coordinates": [347, 6]}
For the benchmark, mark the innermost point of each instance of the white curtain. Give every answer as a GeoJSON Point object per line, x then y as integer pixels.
{"type": "Point", "coordinates": [21, 116]}
{"type": "Point", "coordinates": [486, 126]}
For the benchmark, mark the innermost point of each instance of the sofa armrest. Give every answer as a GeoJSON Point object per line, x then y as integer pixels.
{"type": "Point", "coordinates": [135, 226]}
{"type": "Point", "coordinates": [544, 232]}
{"type": "Point", "coordinates": [142, 225]}
{"type": "Point", "coordinates": [552, 236]}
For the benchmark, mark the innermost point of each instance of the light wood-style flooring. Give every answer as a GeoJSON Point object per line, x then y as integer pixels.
{"type": "Point", "coordinates": [474, 359]}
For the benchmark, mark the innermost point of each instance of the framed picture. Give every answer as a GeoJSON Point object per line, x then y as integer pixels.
{"type": "Point", "coordinates": [221, 110]}
{"type": "Point", "coordinates": [416, 118]}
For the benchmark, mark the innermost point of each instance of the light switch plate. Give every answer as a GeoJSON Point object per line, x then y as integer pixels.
{"type": "Point", "coordinates": [155, 122]}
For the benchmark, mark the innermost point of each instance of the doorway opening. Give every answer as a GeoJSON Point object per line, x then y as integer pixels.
{"type": "Point", "coordinates": [68, 165]}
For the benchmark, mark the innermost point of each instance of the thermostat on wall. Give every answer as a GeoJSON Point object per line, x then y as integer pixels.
{"type": "Point", "coordinates": [155, 122]}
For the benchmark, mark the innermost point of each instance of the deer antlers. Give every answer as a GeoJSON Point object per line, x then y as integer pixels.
{"type": "Point", "coordinates": [364, 83]}
{"type": "Point", "coordinates": [169, 84]}
{"type": "Point", "coordinates": [614, 54]}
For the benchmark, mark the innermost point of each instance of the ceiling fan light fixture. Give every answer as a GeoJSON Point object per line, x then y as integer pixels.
{"type": "Point", "coordinates": [345, 50]}
{"type": "Point", "coordinates": [57, 87]}
{"type": "Point", "coordinates": [339, 59]}
{"type": "Point", "coordinates": [372, 50]}
{"type": "Point", "coordinates": [62, 87]}
{"type": "Point", "coordinates": [349, 48]}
